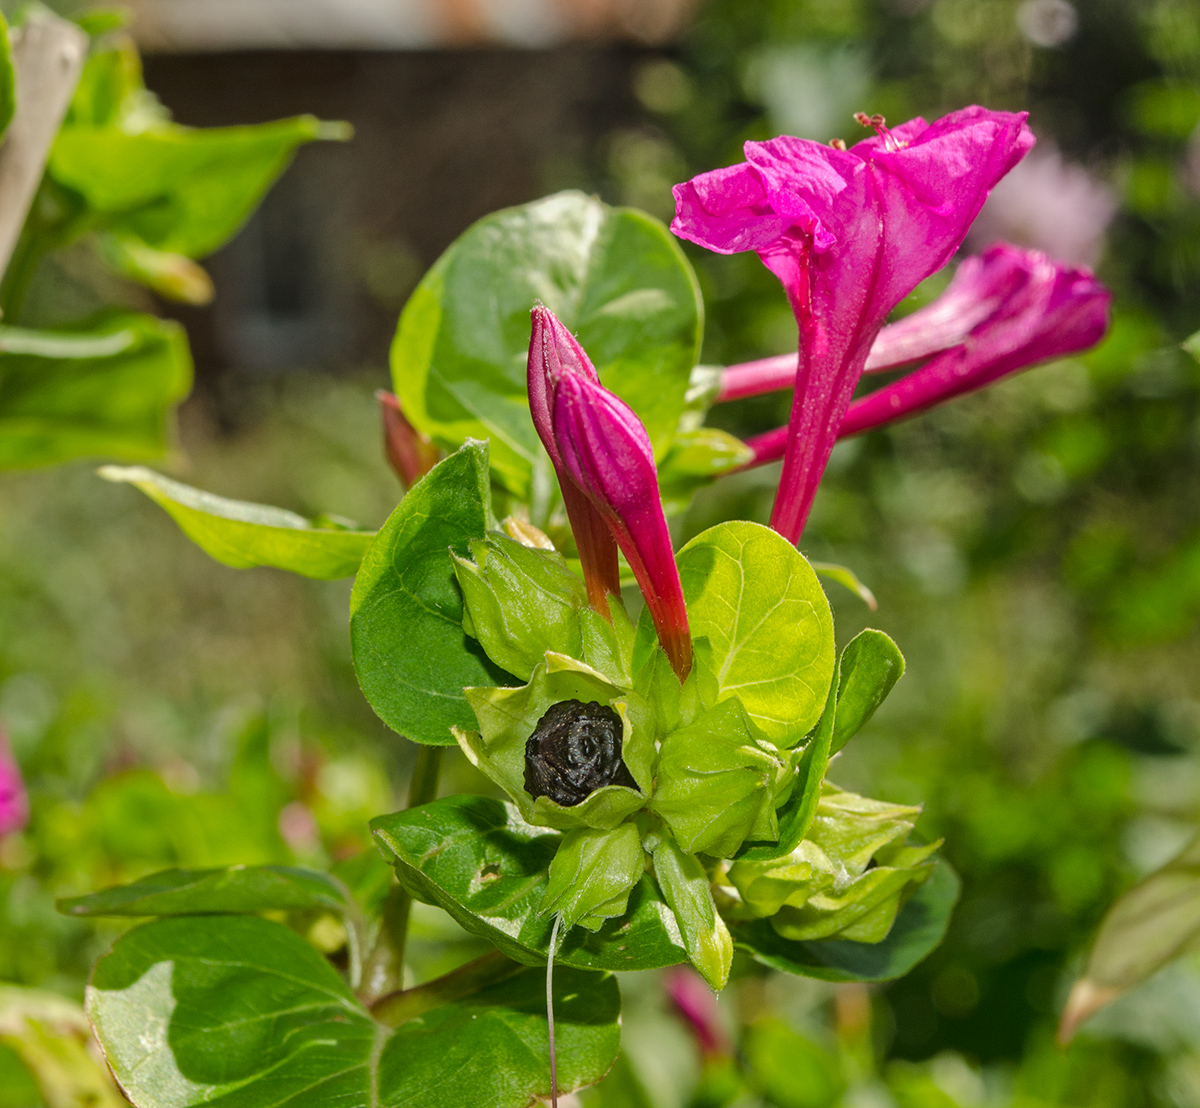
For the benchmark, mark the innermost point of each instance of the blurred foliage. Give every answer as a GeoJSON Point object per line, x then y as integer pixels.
{"type": "Point", "coordinates": [1035, 550]}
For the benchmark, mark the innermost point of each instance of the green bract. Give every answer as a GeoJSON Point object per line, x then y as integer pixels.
{"type": "Point", "coordinates": [685, 887]}
{"type": "Point", "coordinates": [521, 602]}
{"type": "Point", "coordinates": [592, 874]}
{"type": "Point", "coordinates": [716, 783]}
{"type": "Point", "coordinates": [823, 887]}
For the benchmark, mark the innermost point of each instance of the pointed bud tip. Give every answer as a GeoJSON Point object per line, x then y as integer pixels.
{"type": "Point", "coordinates": [1085, 1000]}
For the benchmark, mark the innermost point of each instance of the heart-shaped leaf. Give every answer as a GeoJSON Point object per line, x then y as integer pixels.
{"type": "Point", "coordinates": [480, 861]}
{"type": "Point", "coordinates": [243, 1011]}
{"type": "Point", "coordinates": [614, 276]}
{"type": "Point", "coordinates": [410, 652]}
{"type": "Point", "coordinates": [760, 605]}
{"type": "Point", "coordinates": [240, 534]}
{"type": "Point", "coordinates": [919, 927]}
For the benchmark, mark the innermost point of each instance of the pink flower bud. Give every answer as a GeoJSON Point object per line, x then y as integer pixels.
{"type": "Point", "coordinates": [553, 353]}
{"type": "Point", "coordinates": [601, 449]}
{"type": "Point", "coordinates": [411, 454]}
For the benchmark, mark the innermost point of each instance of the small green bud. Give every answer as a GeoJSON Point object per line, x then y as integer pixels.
{"type": "Point", "coordinates": [592, 874]}
{"type": "Point", "coordinates": [824, 887]}
{"type": "Point", "coordinates": [863, 910]}
{"type": "Point", "coordinates": [716, 783]}
{"type": "Point", "coordinates": [520, 602]}
{"type": "Point", "coordinates": [686, 889]}
{"type": "Point", "coordinates": [766, 886]}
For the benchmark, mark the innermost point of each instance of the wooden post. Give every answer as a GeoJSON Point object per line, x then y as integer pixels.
{"type": "Point", "coordinates": [48, 55]}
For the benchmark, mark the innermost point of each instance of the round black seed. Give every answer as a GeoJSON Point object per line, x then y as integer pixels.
{"type": "Point", "coordinates": [575, 750]}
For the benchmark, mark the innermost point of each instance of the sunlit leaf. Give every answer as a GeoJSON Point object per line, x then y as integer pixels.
{"type": "Point", "coordinates": [240, 534]}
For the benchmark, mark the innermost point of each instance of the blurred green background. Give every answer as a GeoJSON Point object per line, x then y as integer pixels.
{"type": "Point", "coordinates": [1035, 550]}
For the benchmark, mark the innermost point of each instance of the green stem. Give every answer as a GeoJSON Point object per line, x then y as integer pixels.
{"type": "Point", "coordinates": [383, 971]}
{"type": "Point", "coordinates": [467, 980]}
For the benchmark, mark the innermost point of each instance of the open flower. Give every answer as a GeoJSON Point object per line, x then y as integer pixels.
{"type": "Point", "coordinates": [603, 455]}
{"type": "Point", "coordinates": [849, 233]}
{"type": "Point", "coordinates": [1033, 309]}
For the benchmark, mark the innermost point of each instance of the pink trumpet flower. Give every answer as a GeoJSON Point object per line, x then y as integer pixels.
{"type": "Point", "coordinates": [1038, 309]}
{"type": "Point", "coordinates": [14, 801]}
{"type": "Point", "coordinates": [554, 354]}
{"type": "Point", "coordinates": [849, 233]}
{"type": "Point", "coordinates": [602, 452]}
{"type": "Point", "coordinates": [410, 454]}
{"type": "Point", "coordinates": [936, 327]}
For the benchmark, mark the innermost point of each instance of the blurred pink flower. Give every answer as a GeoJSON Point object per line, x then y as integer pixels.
{"type": "Point", "coordinates": [14, 801]}
{"type": "Point", "coordinates": [1051, 205]}
{"type": "Point", "coordinates": [849, 233]}
{"type": "Point", "coordinates": [696, 1003]}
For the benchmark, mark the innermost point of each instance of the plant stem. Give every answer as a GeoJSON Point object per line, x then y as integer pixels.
{"type": "Point", "coordinates": [383, 971]}
{"type": "Point", "coordinates": [407, 1004]}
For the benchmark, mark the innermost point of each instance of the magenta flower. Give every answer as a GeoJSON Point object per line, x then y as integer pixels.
{"type": "Point", "coordinates": [1037, 309]}
{"type": "Point", "coordinates": [410, 453]}
{"type": "Point", "coordinates": [14, 802]}
{"type": "Point", "coordinates": [554, 354]}
{"type": "Point", "coordinates": [602, 452]}
{"type": "Point", "coordinates": [849, 233]}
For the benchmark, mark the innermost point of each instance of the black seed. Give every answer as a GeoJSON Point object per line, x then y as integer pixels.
{"type": "Point", "coordinates": [575, 750]}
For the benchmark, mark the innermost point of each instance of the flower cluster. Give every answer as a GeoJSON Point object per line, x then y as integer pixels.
{"type": "Point", "coordinates": [694, 745]}
{"type": "Point", "coordinates": [637, 743]}
{"type": "Point", "coordinates": [850, 233]}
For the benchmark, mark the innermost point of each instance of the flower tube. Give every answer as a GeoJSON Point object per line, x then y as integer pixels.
{"type": "Point", "coordinates": [849, 233]}
{"type": "Point", "coordinates": [1047, 310]}
{"type": "Point", "coordinates": [976, 292]}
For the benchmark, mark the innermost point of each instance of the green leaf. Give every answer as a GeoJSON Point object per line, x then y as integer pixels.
{"type": "Point", "coordinates": [480, 861]}
{"type": "Point", "coordinates": [103, 391]}
{"type": "Point", "coordinates": [685, 887]}
{"type": "Point", "coordinates": [760, 605]}
{"type": "Point", "coordinates": [1155, 922]}
{"type": "Point", "coordinates": [178, 189]}
{"type": "Point", "coordinates": [521, 602]}
{"type": "Point", "coordinates": [242, 1011]}
{"type": "Point", "coordinates": [50, 1034]}
{"type": "Point", "coordinates": [919, 927]}
{"type": "Point", "coordinates": [411, 654]}
{"type": "Point", "coordinates": [614, 276]}
{"type": "Point", "coordinates": [695, 458]}
{"type": "Point", "coordinates": [870, 666]}
{"type": "Point", "coordinates": [235, 890]}
{"type": "Point", "coordinates": [848, 579]}
{"type": "Point", "coordinates": [241, 534]}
